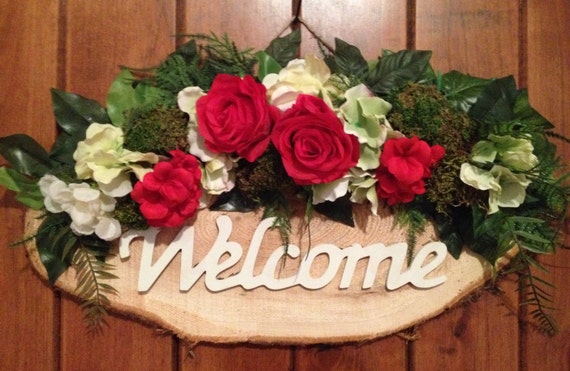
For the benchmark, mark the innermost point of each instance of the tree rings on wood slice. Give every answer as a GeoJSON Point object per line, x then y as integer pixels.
{"type": "Point", "coordinates": [316, 294]}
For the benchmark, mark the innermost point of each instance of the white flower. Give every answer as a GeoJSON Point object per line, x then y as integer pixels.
{"type": "Point", "coordinates": [330, 191]}
{"type": "Point", "coordinates": [300, 76]}
{"type": "Point", "coordinates": [362, 186]}
{"type": "Point", "coordinates": [217, 175]}
{"type": "Point", "coordinates": [90, 210]}
{"type": "Point", "coordinates": [101, 157]}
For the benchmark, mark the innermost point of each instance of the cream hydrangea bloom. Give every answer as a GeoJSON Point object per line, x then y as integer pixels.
{"type": "Point", "coordinates": [300, 76]}
{"type": "Point", "coordinates": [90, 210]}
{"type": "Point", "coordinates": [102, 157]}
{"type": "Point", "coordinates": [217, 176]}
{"type": "Point", "coordinates": [506, 189]}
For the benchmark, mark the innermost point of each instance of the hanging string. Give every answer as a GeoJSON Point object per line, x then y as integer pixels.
{"type": "Point", "coordinates": [297, 20]}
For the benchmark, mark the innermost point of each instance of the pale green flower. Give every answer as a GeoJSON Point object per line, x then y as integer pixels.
{"type": "Point", "coordinates": [300, 76]}
{"type": "Point", "coordinates": [102, 157]}
{"type": "Point", "coordinates": [365, 117]}
{"type": "Point", "coordinates": [514, 153]}
{"type": "Point", "coordinates": [362, 186]}
{"type": "Point", "coordinates": [506, 189]}
{"type": "Point", "coordinates": [330, 191]}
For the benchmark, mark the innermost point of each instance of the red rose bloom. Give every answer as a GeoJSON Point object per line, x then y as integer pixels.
{"type": "Point", "coordinates": [312, 142]}
{"type": "Point", "coordinates": [404, 164]}
{"type": "Point", "coordinates": [170, 194]}
{"type": "Point", "coordinates": [235, 117]}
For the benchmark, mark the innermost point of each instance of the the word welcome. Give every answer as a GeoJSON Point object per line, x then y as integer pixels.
{"type": "Point", "coordinates": [212, 265]}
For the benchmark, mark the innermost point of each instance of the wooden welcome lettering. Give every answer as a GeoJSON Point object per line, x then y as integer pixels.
{"type": "Point", "coordinates": [225, 254]}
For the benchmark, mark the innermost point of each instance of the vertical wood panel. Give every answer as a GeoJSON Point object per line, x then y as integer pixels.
{"type": "Point", "coordinates": [549, 83]}
{"type": "Point", "coordinates": [28, 69]}
{"type": "Point", "coordinates": [250, 24]}
{"type": "Point", "coordinates": [370, 25]}
{"type": "Point", "coordinates": [101, 35]}
{"type": "Point", "coordinates": [478, 37]}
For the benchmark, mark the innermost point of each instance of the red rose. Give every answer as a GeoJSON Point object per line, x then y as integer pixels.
{"type": "Point", "coordinates": [234, 117]}
{"type": "Point", "coordinates": [404, 164]}
{"type": "Point", "coordinates": [312, 142]}
{"type": "Point", "coordinates": [170, 194]}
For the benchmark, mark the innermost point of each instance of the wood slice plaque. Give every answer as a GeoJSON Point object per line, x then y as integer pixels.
{"type": "Point", "coordinates": [201, 301]}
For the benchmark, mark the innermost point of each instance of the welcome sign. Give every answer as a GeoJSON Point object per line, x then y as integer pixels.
{"type": "Point", "coordinates": [228, 278]}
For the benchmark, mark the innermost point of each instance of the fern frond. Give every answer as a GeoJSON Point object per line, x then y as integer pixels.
{"type": "Point", "coordinates": [535, 291]}
{"type": "Point", "coordinates": [91, 270]}
{"type": "Point", "coordinates": [415, 222]}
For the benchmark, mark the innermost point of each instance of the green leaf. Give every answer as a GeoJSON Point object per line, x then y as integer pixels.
{"type": "Point", "coordinates": [125, 94]}
{"type": "Point", "coordinates": [395, 70]}
{"type": "Point", "coordinates": [348, 59]}
{"type": "Point", "coordinates": [25, 155]}
{"type": "Point", "coordinates": [28, 190]}
{"type": "Point", "coordinates": [462, 90]}
{"type": "Point", "coordinates": [528, 115]}
{"type": "Point", "coordinates": [339, 210]}
{"type": "Point", "coordinates": [64, 147]}
{"type": "Point", "coordinates": [267, 64]}
{"type": "Point", "coordinates": [52, 238]}
{"type": "Point", "coordinates": [75, 113]}
{"type": "Point", "coordinates": [284, 49]}
{"type": "Point", "coordinates": [496, 101]}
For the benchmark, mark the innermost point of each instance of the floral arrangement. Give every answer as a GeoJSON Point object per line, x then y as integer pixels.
{"type": "Point", "coordinates": [227, 129]}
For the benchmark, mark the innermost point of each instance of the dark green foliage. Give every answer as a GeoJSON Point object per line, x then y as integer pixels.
{"type": "Point", "coordinates": [92, 271]}
{"type": "Point", "coordinates": [285, 49]}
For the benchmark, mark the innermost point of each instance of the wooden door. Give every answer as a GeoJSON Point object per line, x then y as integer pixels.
{"type": "Point", "coordinates": [78, 45]}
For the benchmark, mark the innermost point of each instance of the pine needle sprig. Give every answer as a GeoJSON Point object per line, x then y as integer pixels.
{"type": "Point", "coordinates": [528, 234]}
{"type": "Point", "coordinates": [92, 270]}
{"type": "Point", "coordinates": [414, 221]}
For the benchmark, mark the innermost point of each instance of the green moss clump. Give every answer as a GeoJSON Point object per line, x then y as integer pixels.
{"type": "Point", "coordinates": [262, 179]}
{"type": "Point", "coordinates": [159, 130]}
{"type": "Point", "coordinates": [127, 212]}
{"type": "Point", "coordinates": [424, 111]}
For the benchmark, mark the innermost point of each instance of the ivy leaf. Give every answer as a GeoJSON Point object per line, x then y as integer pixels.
{"type": "Point", "coordinates": [496, 101]}
{"type": "Point", "coordinates": [55, 242]}
{"type": "Point", "coordinates": [28, 190]}
{"type": "Point", "coordinates": [395, 70]}
{"type": "Point", "coordinates": [125, 94]}
{"type": "Point", "coordinates": [25, 155]}
{"type": "Point", "coordinates": [267, 64]}
{"type": "Point", "coordinates": [233, 200]}
{"type": "Point", "coordinates": [75, 113]}
{"type": "Point", "coordinates": [285, 49]}
{"type": "Point", "coordinates": [528, 115]}
{"type": "Point", "coordinates": [348, 59]}
{"type": "Point", "coordinates": [339, 210]}
{"type": "Point", "coordinates": [462, 90]}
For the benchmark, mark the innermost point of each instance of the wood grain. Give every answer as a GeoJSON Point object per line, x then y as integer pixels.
{"type": "Point", "coordinates": [372, 26]}
{"type": "Point", "coordinates": [480, 38]}
{"type": "Point", "coordinates": [28, 308]}
{"type": "Point", "coordinates": [101, 35]}
{"type": "Point", "coordinates": [548, 84]}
